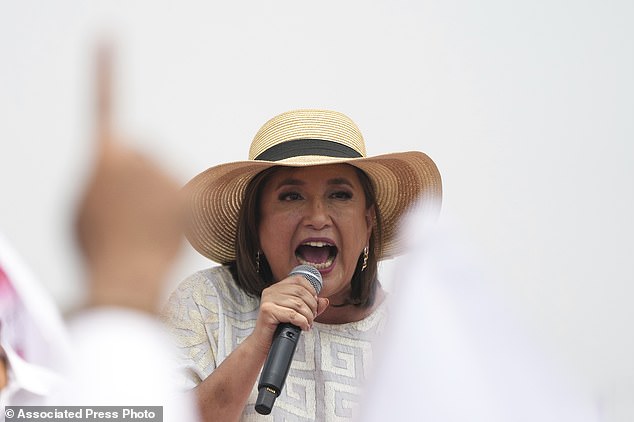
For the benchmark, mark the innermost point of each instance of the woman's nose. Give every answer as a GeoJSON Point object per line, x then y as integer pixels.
{"type": "Point", "coordinates": [317, 215]}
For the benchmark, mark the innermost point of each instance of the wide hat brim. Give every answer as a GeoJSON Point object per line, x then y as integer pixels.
{"type": "Point", "coordinates": [400, 180]}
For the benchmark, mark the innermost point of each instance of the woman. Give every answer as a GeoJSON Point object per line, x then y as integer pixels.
{"type": "Point", "coordinates": [307, 195]}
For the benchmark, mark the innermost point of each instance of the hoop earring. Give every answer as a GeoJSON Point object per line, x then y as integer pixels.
{"type": "Point", "coordinates": [257, 262]}
{"type": "Point", "coordinates": [365, 259]}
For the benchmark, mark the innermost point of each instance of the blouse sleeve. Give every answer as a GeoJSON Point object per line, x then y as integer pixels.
{"type": "Point", "coordinates": [192, 318]}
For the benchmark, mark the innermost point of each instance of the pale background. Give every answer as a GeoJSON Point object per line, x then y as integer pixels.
{"type": "Point", "coordinates": [526, 107]}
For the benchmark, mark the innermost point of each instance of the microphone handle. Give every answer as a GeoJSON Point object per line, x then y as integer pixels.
{"type": "Point", "coordinates": [276, 367]}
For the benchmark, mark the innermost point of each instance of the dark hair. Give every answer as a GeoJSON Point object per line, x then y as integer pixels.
{"type": "Point", "coordinates": [253, 280]}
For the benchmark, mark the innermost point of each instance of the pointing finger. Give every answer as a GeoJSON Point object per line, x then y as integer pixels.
{"type": "Point", "coordinates": [103, 94]}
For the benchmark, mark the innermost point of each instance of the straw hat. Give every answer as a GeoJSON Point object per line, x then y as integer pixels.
{"type": "Point", "coordinates": [306, 138]}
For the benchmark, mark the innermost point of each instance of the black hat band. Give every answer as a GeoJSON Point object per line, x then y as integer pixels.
{"type": "Point", "coordinates": [301, 147]}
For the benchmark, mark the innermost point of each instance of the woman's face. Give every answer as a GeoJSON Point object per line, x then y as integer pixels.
{"type": "Point", "coordinates": [315, 215]}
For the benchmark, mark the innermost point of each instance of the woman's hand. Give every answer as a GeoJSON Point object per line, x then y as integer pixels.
{"type": "Point", "coordinates": [291, 300]}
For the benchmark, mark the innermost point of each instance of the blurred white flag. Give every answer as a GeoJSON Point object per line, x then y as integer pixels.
{"type": "Point", "coordinates": [452, 353]}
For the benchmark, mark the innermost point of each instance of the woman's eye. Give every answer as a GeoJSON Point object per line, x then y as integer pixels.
{"type": "Point", "coordinates": [341, 195]}
{"type": "Point", "coordinates": [290, 196]}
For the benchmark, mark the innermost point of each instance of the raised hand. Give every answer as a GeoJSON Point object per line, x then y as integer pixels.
{"type": "Point", "coordinates": [128, 222]}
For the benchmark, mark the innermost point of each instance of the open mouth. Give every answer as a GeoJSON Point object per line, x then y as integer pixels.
{"type": "Point", "coordinates": [320, 255]}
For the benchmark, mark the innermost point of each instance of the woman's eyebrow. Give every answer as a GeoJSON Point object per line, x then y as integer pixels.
{"type": "Point", "coordinates": [340, 181]}
{"type": "Point", "coordinates": [289, 182]}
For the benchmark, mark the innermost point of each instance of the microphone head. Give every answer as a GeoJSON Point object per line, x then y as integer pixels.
{"type": "Point", "coordinates": [311, 274]}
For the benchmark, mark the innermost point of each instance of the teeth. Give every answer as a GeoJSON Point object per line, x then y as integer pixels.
{"type": "Point", "coordinates": [320, 266]}
{"type": "Point", "coordinates": [317, 244]}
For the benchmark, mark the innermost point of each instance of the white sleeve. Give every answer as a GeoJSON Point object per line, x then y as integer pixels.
{"type": "Point", "coordinates": [124, 357]}
{"type": "Point", "coordinates": [192, 316]}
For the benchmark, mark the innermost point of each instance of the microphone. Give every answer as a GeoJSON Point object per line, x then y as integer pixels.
{"type": "Point", "coordinates": [278, 362]}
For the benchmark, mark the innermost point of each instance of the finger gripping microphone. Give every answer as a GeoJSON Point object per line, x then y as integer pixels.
{"type": "Point", "coordinates": [278, 362]}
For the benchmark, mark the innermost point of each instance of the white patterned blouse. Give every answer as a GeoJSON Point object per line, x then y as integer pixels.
{"type": "Point", "coordinates": [209, 316]}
